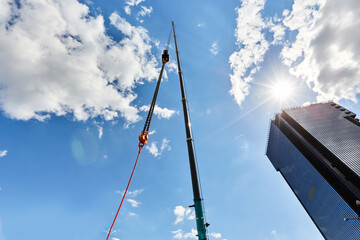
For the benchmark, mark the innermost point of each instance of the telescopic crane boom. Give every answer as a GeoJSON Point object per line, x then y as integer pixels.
{"type": "Point", "coordinates": [199, 214]}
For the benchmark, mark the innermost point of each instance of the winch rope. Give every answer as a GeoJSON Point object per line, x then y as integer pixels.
{"type": "Point", "coordinates": [127, 188]}
{"type": "Point", "coordinates": [143, 138]}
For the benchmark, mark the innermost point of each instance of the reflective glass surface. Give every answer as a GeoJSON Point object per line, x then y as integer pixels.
{"type": "Point", "coordinates": [327, 122]}
{"type": "Point", "coordinates": [326, 208]}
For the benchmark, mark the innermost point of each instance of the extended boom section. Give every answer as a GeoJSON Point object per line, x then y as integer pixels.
{"type": "Point", "coordinates": [199, 213]}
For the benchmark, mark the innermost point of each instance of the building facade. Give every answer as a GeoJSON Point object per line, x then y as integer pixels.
{"type": "Point", "coordinates": [317, 150]}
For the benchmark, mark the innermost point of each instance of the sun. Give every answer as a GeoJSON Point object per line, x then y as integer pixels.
{"type": "Point", "coordinates": [282, 90]}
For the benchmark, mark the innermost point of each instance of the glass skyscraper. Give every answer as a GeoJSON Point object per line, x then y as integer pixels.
{"type": "Point", "coordinates": [317, 150]}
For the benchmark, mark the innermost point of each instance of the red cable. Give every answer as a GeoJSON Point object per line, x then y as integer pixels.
{"type": "Point", "coordinates": [140, 148]}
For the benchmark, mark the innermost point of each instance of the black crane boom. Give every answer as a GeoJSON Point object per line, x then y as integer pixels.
{"type": "Point", "coordinates": [200, 221]}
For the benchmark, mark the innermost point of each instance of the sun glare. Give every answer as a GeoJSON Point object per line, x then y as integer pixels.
{"type": "Point", "coordinates": [282, 90]}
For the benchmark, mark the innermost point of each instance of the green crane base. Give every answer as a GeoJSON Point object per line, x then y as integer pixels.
{"type": "Point", "coordinates": [200, 220]}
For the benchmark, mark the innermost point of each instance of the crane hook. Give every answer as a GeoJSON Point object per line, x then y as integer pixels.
{"type": "Point", "coordinates": [143, 138]}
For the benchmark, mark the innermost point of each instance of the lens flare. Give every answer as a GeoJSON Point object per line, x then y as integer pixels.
{"type": "Point", "coordinates": [282, 90]}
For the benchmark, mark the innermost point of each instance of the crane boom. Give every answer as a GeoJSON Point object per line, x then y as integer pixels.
{"type": "Point", "coordinates": [199, 214]}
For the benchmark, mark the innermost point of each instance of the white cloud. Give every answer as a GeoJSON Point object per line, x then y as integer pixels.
{"type": "Point", "coordinates": [326, 51]}
{"type": "Point", "coordinates": [192, 234]}
{"type": "Point", "coordinates": [160, 112]}
{"type": "Point", "coordinates": [172, 67]}
{"type": "Point", "coordinates": [131, 214]}
{"type": "Point", "coordinates": [252, 47]}
{"type": "Point", "coordinates": [305, 104]}
{"type": "Point", "coordinates": [277, 28]}
{"type": "Point", "coordinates": [152, 132]}
{"type": "Point", "coordinates": [100, 129]}
{"type": "Point", "coordinates": [301, 19]}
{"type": "Point", "coordinates": [145, 11]}
{"type": "Point", "coordinates": [107, 231]}
{"type": "Point", "coordinates": [165, 145]}
{"type": "Point", "coordinates": [3, 153]}
{"type": "Point", "coordinates": [138, 42]}
{"type": "Point", "coordinates": [164, 112]}
{"type": "Point", "coordinates": [214, 50]}
{"type": "Point", "coordinates": [132, 194]}
{"type": "Point", "coordinates": [57, 59]}
{"type": "Point", "coordinates": [153, 149]}
{"type": "Point", "coordinates": [273, 232]}
{"type": "Point", "coordinates": [133, 202]}
{"type": "Point", "coordinates": [199, 25]}
{"type": "Point", "coordinates": [127, 10]}
{"type": "Point", "coordinates": [134, 2]}
{"type": "Point", "coordinates": [215, 235]}
{"type": "Point", "coordinates": [89, 2]}
{"type": "Point", "coordinates": [324, 54]}
{"type": "Point", "coordinates": [179, 234]}
{"type": "Point", "coordinates": [115, 238]}
{"type": "Point", "coordinates": [135, 192]}
{"type": "Point", "coordinates": [181, 213]}
{"type": "Point", "coordinates": [131, 3]}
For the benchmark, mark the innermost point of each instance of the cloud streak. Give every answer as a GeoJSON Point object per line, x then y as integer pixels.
{"type": "Point", "coordinates": [154, 150]}
{"type": "Point", "coordinates": [133, 202]}
{"type": "Point", "coordinates": [3, 153]}
{"type": "Point", "coordinates": [214, 50]}
{"type": "Point", "coordinates": [145, 11]}
{"type": "Point", "coordinates": [131, 193]}
{"type": "Point", "coordinates": [160, 112]}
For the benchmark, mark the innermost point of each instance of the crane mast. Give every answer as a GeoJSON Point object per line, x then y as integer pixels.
{"type": "Point", "coordinates": [199, 214]}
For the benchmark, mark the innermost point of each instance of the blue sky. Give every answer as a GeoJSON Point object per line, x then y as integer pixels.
{"type": "Point", "coordinates": [75, 82]}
